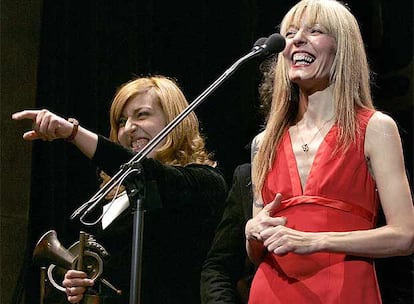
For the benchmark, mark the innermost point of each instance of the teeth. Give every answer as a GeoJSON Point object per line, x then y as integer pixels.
{"type": "Point", "coordinates": [139, 144]}
{"type": "Point", "coordinates": [302, 58]}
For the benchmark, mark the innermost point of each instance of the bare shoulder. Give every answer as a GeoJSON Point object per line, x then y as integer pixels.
{"type": "Point", "coordinates": [381, 120]}
{"type": "Point", "coordinates": [381, 127]}
{"type": "Point", "coordinates": [382, 131]}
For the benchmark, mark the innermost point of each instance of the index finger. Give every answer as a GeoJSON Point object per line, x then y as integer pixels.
{"type": "Point", "coordinates": [274, 204]}
{"type": "Point", "coordinates": [25, 114]}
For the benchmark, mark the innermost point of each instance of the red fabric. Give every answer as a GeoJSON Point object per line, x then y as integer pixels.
{"type": "Point", "coordinates": [340, 195]}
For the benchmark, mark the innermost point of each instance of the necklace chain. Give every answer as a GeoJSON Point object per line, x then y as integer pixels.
{"type": "Point", "coordinates": [305, 146]}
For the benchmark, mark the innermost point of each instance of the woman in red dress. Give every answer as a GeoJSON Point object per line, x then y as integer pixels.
{"type": "Point", "coordinates": [325, 162]}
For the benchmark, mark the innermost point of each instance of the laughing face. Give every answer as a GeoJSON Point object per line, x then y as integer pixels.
{"type": "Point", "coordinates": [141, 120]}
{"type": "Point", "coordinates": [309, 53]}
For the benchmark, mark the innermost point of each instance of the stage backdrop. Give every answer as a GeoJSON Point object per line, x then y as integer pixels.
{"type": "Point", "coordinates": [88, 49]}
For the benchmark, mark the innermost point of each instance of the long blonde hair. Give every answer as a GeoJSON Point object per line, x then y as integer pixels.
{"type": "Point", "coordinates": [349, 75]}
{"type": "Point", "coordinates": [184, 144]}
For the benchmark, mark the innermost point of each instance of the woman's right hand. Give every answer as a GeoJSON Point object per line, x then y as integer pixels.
{"type": "Point", "coordinates": [46, 125]}
{"type": "Point", "coordinates": [76, 282]}
{"type": "Point", "coordinates": [256, 225]}
{"type": "Point", "coordinates": [264, 220]}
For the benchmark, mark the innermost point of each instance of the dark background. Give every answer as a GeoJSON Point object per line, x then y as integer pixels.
{"type": "Point", "coordinates": [87, 49]}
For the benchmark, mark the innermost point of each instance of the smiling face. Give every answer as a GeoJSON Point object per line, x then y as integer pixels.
{"type": "Point", "coordinates": [309, 54]}
{"type": "Point", "coordinates": [141, 120]}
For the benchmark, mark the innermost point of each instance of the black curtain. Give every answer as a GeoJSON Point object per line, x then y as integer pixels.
{"type": "Point", "coordinates": [90, 48]}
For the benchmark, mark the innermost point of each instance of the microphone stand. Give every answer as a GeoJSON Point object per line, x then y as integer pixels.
{"type": "Point", "coordinates": [134, 186]}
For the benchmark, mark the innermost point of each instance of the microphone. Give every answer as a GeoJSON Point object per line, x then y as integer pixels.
{"type": "Point", "coordinates": [259, 43]}
{"type": "Point", "coordinates": [275, 43]}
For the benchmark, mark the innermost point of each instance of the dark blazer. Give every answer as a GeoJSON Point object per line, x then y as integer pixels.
{"type": "Point", "coordinates": [226, 273]}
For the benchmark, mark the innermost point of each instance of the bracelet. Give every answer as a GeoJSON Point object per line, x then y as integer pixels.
{"type": "Point", "coordinates": [251, 237]}
{"type": "Point", "coordinates": [72, 135]}
{"type": "Point", "coordinates": [257, 204]}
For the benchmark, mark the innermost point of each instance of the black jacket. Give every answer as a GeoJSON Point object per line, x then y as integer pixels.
{"type": "Point", "coordinates": [226, 273]}
{"type": "Point", "coordinates": [182, 210]}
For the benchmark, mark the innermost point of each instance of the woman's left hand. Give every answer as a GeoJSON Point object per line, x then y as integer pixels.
{"type": "Point", "coordinates": [281, 240]}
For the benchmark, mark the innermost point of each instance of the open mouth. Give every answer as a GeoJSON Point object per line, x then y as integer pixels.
{"type": "Point", "coordinates": [302, 59]}
{"type": "Point", "coordinates": [139, 144]}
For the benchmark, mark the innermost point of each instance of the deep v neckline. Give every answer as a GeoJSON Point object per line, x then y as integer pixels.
{"type": "Point", "coordinates": [314, 163]}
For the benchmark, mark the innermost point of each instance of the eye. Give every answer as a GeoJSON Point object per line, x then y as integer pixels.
{"type": "Point", "coordinates": [290, 33]}
{"type": "Point", "coordinates": [142, 114]}
{"type": "Point", "coordinates": [316, 30]}
{"type": "Point", "coordinates": [122, 122]}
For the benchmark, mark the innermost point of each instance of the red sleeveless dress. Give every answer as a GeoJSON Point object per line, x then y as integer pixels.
{"type": "Point", "coordinates": [340, 195]}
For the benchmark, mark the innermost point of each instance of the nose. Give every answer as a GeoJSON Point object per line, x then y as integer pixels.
{"type": "Point", "coordinates": [130, 126]}
{"type": "Point", "coordinates": [299, 38]}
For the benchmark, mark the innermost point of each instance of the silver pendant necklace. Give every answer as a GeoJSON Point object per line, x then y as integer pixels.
{"type": "Point", "coordinates": [305, 146]}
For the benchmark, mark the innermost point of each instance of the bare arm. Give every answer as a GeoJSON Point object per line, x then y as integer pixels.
{"type": "Point", "coordinates": [396, 237]}
{"type": "Point", "coordinates": [49, 126]}
{"type": "Point", "coordinates": [254, 246]}
{"type": "Point", "coordinates": [383, 149]}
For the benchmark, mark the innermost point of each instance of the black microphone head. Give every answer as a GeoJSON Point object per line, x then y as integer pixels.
{"type": "Point", "coordinates": [275, 43]}
{"type": "Point", "coordinates": [259, 43]}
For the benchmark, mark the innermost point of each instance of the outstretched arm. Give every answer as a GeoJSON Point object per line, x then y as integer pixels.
{"type": "Point", "coordinates": [48, 126]}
